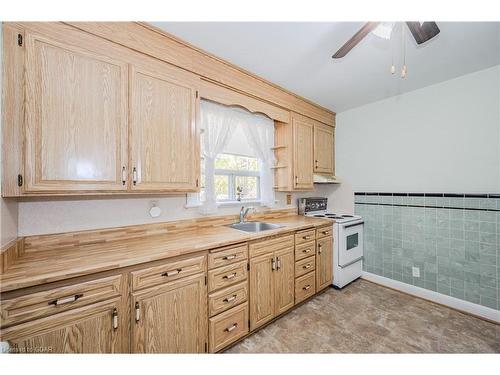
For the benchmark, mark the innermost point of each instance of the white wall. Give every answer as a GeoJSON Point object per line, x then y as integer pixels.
{"type": "Point", "coordinates": [442, 138]}
{"type": "Point", "coordinates": [8, 208]}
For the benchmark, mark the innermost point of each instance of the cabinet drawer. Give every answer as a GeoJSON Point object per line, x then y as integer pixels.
{"type": "Point", "coordinates": [305, 265]}
{"type": "Point", "coordinates": [226, 298]}
{"type": "Point", "coordinates": [324, 231]}
{"type": "Point", "coordinates": [305, 286]}
{"type": "Point", "coordinates": [228, 327]}
{"type": "Point", "coordinates": [304, 236]}
{"type": "Point", "coordinates": [227, 275]}
{"type": "Point", "coordinates": [227, 255]}
{"type": "Point", "coordinates": [171, 270]}
{"type": "Point", "coordinates": [304, 250]}
{"type": "Point", "coordinates": [269, 245]}
{"type": "Point", "coordinates": [53, 301]}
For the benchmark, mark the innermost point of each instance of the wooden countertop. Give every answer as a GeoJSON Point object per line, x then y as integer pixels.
{"type": "Point", "coordinates": [40, 267]}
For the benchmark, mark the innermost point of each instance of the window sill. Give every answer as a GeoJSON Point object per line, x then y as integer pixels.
{"type": "Point", "coordinates": [236, 203]}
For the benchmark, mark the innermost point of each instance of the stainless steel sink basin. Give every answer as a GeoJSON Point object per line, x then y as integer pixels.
{"type": "Point", "coordinates": [254, 226]}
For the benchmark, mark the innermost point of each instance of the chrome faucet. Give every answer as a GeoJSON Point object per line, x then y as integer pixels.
{"type": "Point", "coordinates": [244, 213]}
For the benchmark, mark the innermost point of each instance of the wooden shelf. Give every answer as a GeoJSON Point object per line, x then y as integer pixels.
{"type": "Point", "coordinates": [279, 166]}
{"type": "Point", "coordinates": [278, 147]}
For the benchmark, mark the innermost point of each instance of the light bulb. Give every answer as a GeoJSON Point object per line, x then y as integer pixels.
{"type": "Point", "coordinates": [393, 69]}
{"type": "Point", "coordinates": [403, 72]}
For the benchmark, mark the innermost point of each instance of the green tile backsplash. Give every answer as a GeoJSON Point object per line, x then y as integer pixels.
{"type": "Point", "coordinates": [454, 240]}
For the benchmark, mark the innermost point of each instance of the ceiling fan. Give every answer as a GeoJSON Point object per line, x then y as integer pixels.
{"type": "Point", "coordinates": [421, 31]}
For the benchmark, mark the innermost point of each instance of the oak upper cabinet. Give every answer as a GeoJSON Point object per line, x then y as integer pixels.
{"type": "Point", "coordinates": [96, 328]}
{"type": "Point", "coordinates": [324, 143]}
{"type": "Point", "coordinates": [163, 128]}
{"type": "Point", "coordinates": [171, 317]}
{"type": "Point", "coordinates": [324, 262]}
{"type": "Point", "coordinates": [76, 114]}
{"type": "Point", "coordinates": [303, 157]}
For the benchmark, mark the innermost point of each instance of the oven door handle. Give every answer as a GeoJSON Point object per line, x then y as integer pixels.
{"type": "Point", "coordinates": [353, 224]}
{"type": "Point", "coordinates": [351, 262]}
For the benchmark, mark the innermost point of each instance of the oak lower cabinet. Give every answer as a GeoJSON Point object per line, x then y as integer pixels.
{"type": "Point", "coordinates": [271, 288]}
{"type": "Point", "coordinates": [324, 262]}
{"type": "Point", "coordinates": [171, 317]}
{"type": "Point", "coordinates": [96, 328]}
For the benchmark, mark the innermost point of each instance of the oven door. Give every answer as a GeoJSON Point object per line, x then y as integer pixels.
{"type": "Point", "coordinates": [350, 243]}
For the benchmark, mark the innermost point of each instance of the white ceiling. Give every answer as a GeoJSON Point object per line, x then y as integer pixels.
{"type": "Point", "coordinates": [297, 56]}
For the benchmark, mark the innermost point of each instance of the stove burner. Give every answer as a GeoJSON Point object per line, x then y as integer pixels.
{"type": "Point", "coordinates": [347, 216]}
{"type": "Point", "coordinates": [319, 215]}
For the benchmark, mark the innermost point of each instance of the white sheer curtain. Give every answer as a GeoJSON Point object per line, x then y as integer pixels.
{"type": "Point", "coordinates": [260, 135]}
{"type": "Point", "coordinates": [218, 123]}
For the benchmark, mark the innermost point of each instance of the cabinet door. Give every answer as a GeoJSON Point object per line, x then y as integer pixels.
{"type": "Point", "coordinates": [171, 318]}
{"type": "Point", "coordinates": [97, 328]}
{"type": "Point", "coordinates": [324, 262]}
{"type": "Point", "coordinates": [76, 115]}
{"type": "Point", "coordinates": [284, 278]}
{"type": "Point", "coordinates": [261, 290]}
{"type": "Point", "coordinates": [164, 137]}
{"type": "Point", "coordinates": [302, 153]}
{"type": "Point", "coordinates": [324, 149]}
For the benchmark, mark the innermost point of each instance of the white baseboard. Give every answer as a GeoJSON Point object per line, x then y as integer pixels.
{"type": "Point", "coordinates": [455, 303]}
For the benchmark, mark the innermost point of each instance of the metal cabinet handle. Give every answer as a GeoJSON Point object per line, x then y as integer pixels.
{"type": "Point", "coordinates": [172, 272]}
{"type": "Point", "coordinates": [229, 299]}
{"type": "Point", "coordinates": [308, 265]}
{"type": "Point", "coordinates": [63, 301]}
{"type": "Point", "coordinates": [306, 287]}
{"type": "Point", "coordinates": [316, 164]}
{"type": "Point", "coordinates": [319, 249]}
{"type": "Point", "coordinates": [229, 257]}
{"type": "Point", "coordinates": [115, 318]}
{"type": "Point", "coordinates": [230, 276]}
{"type": "Point", "coordinates": [124, 176]}
{"type": "Point", "coordinates": [278, 263]}
{"type": "Point", "coordinates": [229, 329]}
{"type": "Point", "coordinates": [137, 312]}
{"type": "Point", "coordinates": [134, 175]}
{"type": "Point", "coordinates": [273, 264]}
{"type": "Point", "coordinates": [296, 179]}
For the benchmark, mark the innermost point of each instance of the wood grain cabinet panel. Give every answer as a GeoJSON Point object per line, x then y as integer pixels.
{"type": "Point", "coordinates": [171, 318]}
{"type": "Point", "coordinates": [305, 287]}
{"type": "Point", "coordinates": [261, 290]}
{"type": "Point", "coordinates": [227, 275]}
{"type": "Point", "coordinates": [97, 328]}
{"type": "Point", "coordinates": [324, 262]}
{"type": "Point", "coordinates": [324, 231]}
{"type": "Point", "coordinates": [305, 265]}
{"type": "Point", "coordinates": [304, 236]}
{"type": "Point", "coordinates": [324, 142]}
{"type": "Point", "coordinates": [305, 250]}
{"type": "Point", "coordinates": [76, 116]}
{"type": "Point", "coordinates": [302, 152]}
{"type": "Point", "coordinates": [227, 255]}
{"type": "Point", "coordinates": [284, 280]}
{"type": "Point", "coordinates": [226, 298]}
{"type": "Point", "coordinates": [164, 135]}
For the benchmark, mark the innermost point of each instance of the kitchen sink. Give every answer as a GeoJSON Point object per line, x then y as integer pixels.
{"type": "Point", "coordinates": [254, 226]}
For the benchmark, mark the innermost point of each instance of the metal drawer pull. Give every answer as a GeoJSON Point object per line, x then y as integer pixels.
{"type": "Point", "coordinates": [306, 237]}
{"type": "Point", "coordinates": [229, 299]}
{"type": "Point", "coordinates": [62, 301]}
{"type": "Point", "coordinates": [137, 312]}
{"type": "Point", "coordinates": [230, 276]}
{"type": "Point", "coordinates": [326, 232]}
{"type": "Point", "coordinates": [229, 329]}
{"type": "Point", "coordinates": [115, 319]}
{"type": "Point", "coordinates": [172, 273]}
{"type": "Point", "coordinates": [229, 257]}
{"type": "Point", "coordinates": [306, 250]}
{"type": "Point", "coordinates": [307, 287]}
{"type": "Point", "coordinates": [308, 265]}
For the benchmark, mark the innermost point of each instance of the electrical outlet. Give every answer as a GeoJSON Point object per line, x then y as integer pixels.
{"type": "Point", "coordinates": [289, 199]}
{"type": "Point", "coordinates": [415, 271]}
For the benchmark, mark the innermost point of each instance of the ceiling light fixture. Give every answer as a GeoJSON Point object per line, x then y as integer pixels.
{"type": "Point", "coordinates": [384, 30]}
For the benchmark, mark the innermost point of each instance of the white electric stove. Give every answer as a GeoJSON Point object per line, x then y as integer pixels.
{"type": "Point", "coordinates": [347, 241]}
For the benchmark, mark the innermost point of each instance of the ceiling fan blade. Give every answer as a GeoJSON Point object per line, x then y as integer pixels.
{"type": "Point", "coordinates": [351, 43]}
{"type": "Point", "coordinates": [423, 32]}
